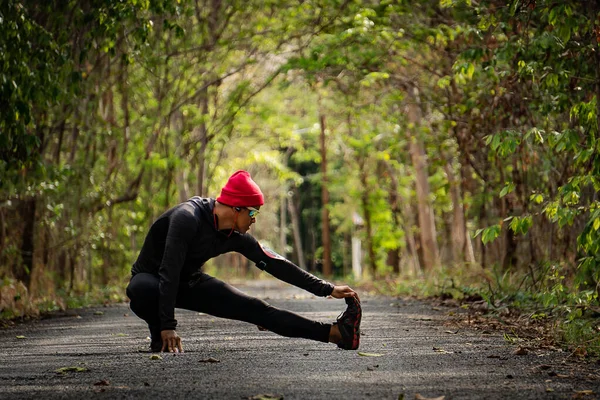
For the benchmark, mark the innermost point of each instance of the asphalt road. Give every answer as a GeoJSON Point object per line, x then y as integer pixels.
{"type": "Point", "coordinates": [94, 353]}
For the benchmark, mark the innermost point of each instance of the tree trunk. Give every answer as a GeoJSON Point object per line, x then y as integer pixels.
{"type": "Point", "coordinates": [203, 139]}
{"type": "Point", "coordinates": [283, 205]}
{"type": "Point", "coordinates": [460, 252]}
{"type": "Point", "coordinates": [181, 172]}
{"type": "Point", "coordinates": [426, 216]}
{"type": "Point", "coordinates": [325, 231]}
{"type": "Point", "coordinates": [295, 216]}
{"type": "Point", "coordinates": [23, 272]}
{"type": "Point", "coordinates": [393, 257]}
{"type": "Point", "coordinates": [2, 231]}
{"type": "Point", "coordinates": [411, 244]}
{"type": "Point", "coordinates": [368, 222]}
{"type": "Point", "coordinates": [124, 89]}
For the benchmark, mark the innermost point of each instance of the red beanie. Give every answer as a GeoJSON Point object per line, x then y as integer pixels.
{"type": "Point", "coordinates": [241, 191]}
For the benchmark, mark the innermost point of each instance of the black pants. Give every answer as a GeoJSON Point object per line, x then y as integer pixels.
{"type": "Point", "coordinates": [212, 296]}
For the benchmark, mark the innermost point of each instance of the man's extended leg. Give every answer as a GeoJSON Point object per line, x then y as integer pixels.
{"type": "Point", "coordinates": [212, 296]}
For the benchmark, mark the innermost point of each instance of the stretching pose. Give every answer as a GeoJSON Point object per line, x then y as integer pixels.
{"type": "Point", "coordinates": [168, 272]}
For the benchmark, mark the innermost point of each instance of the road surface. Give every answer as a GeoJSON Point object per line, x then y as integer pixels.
{"type": "Point", "coordinates": [94, 353]}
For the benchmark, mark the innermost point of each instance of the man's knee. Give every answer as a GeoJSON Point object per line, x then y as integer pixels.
{"type": "Point", "coordinates": [142, 285]}
{"type": "Point", "coordinates": [142, 291]}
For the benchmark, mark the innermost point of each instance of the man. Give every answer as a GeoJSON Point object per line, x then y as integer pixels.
{"type": "Point", "coordinates": [168, 275]}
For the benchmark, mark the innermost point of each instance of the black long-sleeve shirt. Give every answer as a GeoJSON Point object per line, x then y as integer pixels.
{"type": "Point", "coordinates": [182, 239]}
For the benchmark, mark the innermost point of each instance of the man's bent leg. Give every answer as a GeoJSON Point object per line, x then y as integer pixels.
{"type": "Point", "coordinates": [212, 296]}
{"type": "Point", "coordinates": [143, 291]}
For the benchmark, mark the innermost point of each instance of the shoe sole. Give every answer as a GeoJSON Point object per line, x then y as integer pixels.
{"type": "Point", "coordinates": [356, 327]}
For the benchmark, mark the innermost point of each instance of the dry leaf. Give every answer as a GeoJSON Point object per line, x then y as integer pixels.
{"type": "Point", "coordinates": [419, 397]}
{"type": "Point", "coordinates": [155, 357]}
{"type": "Point", "coordinates": [266, 396]}
{"type": "Point", "coordinates": [210, 360]}
{"type": "Point", "coordinates": [580, 352]}
{"type": "Point", "coordinates": [442, 351]}
{"type": "Point", "coordinates": [584, 392]}
{"type": "Point", "coordinates": [98, 313]}
{"type": "Point", "coordinates": [360, 353]}
{"type": "Point", "coordinates": [521, 351]}
{"type": "Point", "coordinates": [64, 370]}
{"type": "Point", "coordinates": [20, 337]}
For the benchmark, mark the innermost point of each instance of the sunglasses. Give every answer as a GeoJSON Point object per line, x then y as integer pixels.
{"type": "Point", "coordinates": [252, 212]}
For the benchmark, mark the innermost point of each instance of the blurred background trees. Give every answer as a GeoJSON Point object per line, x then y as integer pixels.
{"type": "Point", "coordinates": [445, 137]}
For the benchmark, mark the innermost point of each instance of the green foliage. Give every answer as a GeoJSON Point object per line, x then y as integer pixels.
{"type": "Point", "coordinates": [115, 111]}
{"type": "Point", "coordinates": [489, 234]}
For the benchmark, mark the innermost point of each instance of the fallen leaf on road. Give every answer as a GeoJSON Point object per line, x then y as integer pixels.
{"type": "Point", "coordinates": [584, 392]}
{"type": "Point", "coordinates": [521, 351]}
{"type": "Point", "coordinates": [103, 382]}
{"type": "Point", "coordinates": [98, 313]}
{"type": "Point", "coordinates": [155, 357]}
{"type": "Point", "coordinates": [419, 397]}
{"type": "Point", "coordinates": [360, 353]}
{"type": "Point", "coordinates": [64, 370]}
{"type": "Point", "coordinates": [580, 352]}
{"type": "Point", "coordinates": [21, 337]}
{"type": "Point", "coordinates": [210, 360]}
{"type": "Point", "coordinates": [549, 390]}
{"type": "Point", "coordinates": [451, 332]}
{"type": "Point", "coordinates": [442, 351]}
{"type": "Point", "coordinates": [266, 397]}
{"type": "Point", "coordinates": [121, 334]}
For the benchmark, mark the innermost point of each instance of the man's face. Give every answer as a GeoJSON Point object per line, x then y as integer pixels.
{"type": "Point", "coordinates": [246, 217]}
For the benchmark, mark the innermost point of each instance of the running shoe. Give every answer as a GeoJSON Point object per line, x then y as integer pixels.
{"type": "Point", "coordinates": [349, 324]}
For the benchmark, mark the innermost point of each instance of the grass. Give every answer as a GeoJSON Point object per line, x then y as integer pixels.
{"type": "Point", "coordinates": [551, 307]}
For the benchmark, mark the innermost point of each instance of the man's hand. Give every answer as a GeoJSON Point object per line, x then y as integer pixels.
{"type": "Point", "coordinates": [171, 342]}
{"type": "Point", "coordinates": [340, 292]}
